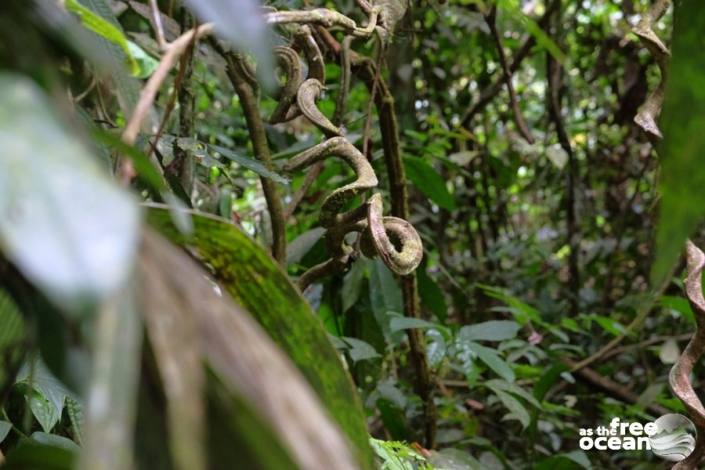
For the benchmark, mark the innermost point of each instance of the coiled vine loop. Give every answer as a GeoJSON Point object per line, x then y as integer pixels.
{"type": "Point", "coordinates": [394, 240]}
{"type": "Point", "coordinates": [679, 378]}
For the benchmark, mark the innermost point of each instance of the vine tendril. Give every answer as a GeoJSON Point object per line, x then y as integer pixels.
{"type": "Point", "coordinates": [394, 240]}
{"type": "Point", "coordinates": [679, 378]}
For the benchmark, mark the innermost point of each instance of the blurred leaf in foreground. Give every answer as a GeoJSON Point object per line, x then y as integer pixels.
{"type": "Point", "coordinates": [683, 146]}
{"type": "Point", "coordinates": [257, 283]}
{"type": "Point", "coordinates": [241, 23]}
{"type": "Point", "coordinates": [65, 225]}
{"type": "Point", "coordinates": [251, 379]}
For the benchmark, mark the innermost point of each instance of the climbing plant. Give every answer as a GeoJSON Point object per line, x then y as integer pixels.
{"type": "Point", "coordinates": [349, 234]}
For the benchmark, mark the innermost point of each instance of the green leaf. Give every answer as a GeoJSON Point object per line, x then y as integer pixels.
{"type": "Point", "coordinates": [678, 304]}
{"type": "Point", "coordinates": [518, 411]}
{"type": "Point", "coordinates": [5, 427]}
{"type": "Point", "coordinates": [396, 455]}
{"type": "Point", "coordinates": [146, 171]}
{"type": "Point", "coordinates": [301, 245]}
{"type": "Point", "coordinates": [523, 312]}
{"type": "Point", "coordinates": [47, 403]}
{"type": "Point", "coordinates": [435, 347]}
{"type": "Point", "coordinates": [30, 454]}
{"type": "Point", "coordinates": [431, 295]}
{"type": "Point", "coordinates": [249, 163]}
{"type": "Point", "coordinates": [400, 323]}
{"type": "Point", "coordinates": [75, 413]}
{"type": "Point", "coordinates": [609, 325]}
{"type": "Point", "coordinates": [360, 350]}
{"type": "Point", "coordinates": [568, 461]}
{"type": "Point", "coordinates": [126, 86]}
{"type": "Point", "coordinates": [55, 440]}
{"type": "Point", "coordinates": [547, 380]}
{"type": "Point", "coordinates": [682, 175]}
{"type": "Point", "coordinates": [151, 176]}
{"type": "Point", "coordinates": [104, 29]}
{"type": "Point", "coordinates": [258, 283]}
{"type": "Point", "coordinates": [63, 223]}
{"type": "Point", "coordinates": [352, 283]}
{"type": "Point", "coordinates": [492, 360]}
{"type": "Point", "coordinates": [454, 459]}
{"type": "Point", "coordinates": [494, 330]}
{"type": "Point", "coordinates": [385, 294]}
{"type": "Point", "coordinates": [43, 410]}
{"type": "Point", "coordinates": [543, 40]}
{"type": "Point", "coordinates": [429, 182]}
{"type": "Point", "coordinates": [12, 332]}
{"type": "Point", "coordinates": [146, 64]}
{"type": "Point", "coordinates": [514, 389]}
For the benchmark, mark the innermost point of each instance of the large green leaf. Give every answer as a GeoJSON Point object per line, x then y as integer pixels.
{"type": "Point", "coordinates": [38, 377]}
{"type": "Point", "coordinates": [63, 223]}
{"type": "Point", "coordinates": [43, 410]}
{"type": "Point", "coordinates": [493, 330]}
{"type": "Point", "coordinates": [385, 295]}
{"type": "Point", "coordinates": [683, 146]}
{"type": "Point", "coordinates": [429, 182]}
{"type": "Point", "coordinates": [127, 86]}
{"type": "Point", "coordinates": [519, 412]}
{"type": "Point", "coordinates": [490, 357]}
{"type": "Point", "coordinates": [31, 454]}
{"type": "Point", "coordinates": [11, 333]}
{"type": "Point", "coordinates": [263, 403]}
{"type": "Point", "coordinates": [256, 282]}
{"type": "Point", "coordinates": [45, 394]}
{"type": "Point", "coordinates": [543, 40]}
{"type": "Point", "coordinates": [103, 28]}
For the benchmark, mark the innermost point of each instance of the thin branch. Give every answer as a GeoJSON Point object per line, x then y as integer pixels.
{"type": "Point", "coordinates": [651, 109]}
{"type": "Point", "coordinates": [679, 378]}
{"type": "Point", "coordinates": [327, 18]}
{"type": "Point", "coordinates": [344, 89]}
{"type": "Point", "coordinates": [643, 311]}
{"type": "Point", "coordinates": [157, 19]}
{"type": "Point", "coordinates": [389, 127]}
{"type": "Point", "coordinates": [491, 20]}
{"type": "Point", "coordinates": [183, 165]}
{"type": "Point", "coordinates": [643, 344]}
{"type": "Point", "coordinates": [126, 171]}
{"type": "Point", "coordinates": [298, 196]}
{"type": "Point", "coordinates": [618, 391]}
{"type": "Point", "coordinates": [171, 103]}
{"type": "Point", "coordinates": [554, 98]}
{"type": "Point", "coordinates": [258, 136]}
{"type": "Point", "coordinates": [489, 93]}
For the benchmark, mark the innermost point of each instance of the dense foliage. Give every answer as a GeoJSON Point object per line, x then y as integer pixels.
{"type": "Point", "coordinates": [492, 262]}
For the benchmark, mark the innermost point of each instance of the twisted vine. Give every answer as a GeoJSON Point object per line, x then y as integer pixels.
{"type": "Point", "coordinates": [679, 378]}
{"type": "Point", "coordinates": [650, 110]}
{"type": "Point", "coordinates": [393, 239]}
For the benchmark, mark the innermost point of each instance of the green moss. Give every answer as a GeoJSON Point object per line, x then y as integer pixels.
{"type": "Point", "coordinates": [259, 284]}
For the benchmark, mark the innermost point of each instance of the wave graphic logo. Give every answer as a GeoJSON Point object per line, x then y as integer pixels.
{"type": "Point", "coordinates": [674, 439]}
